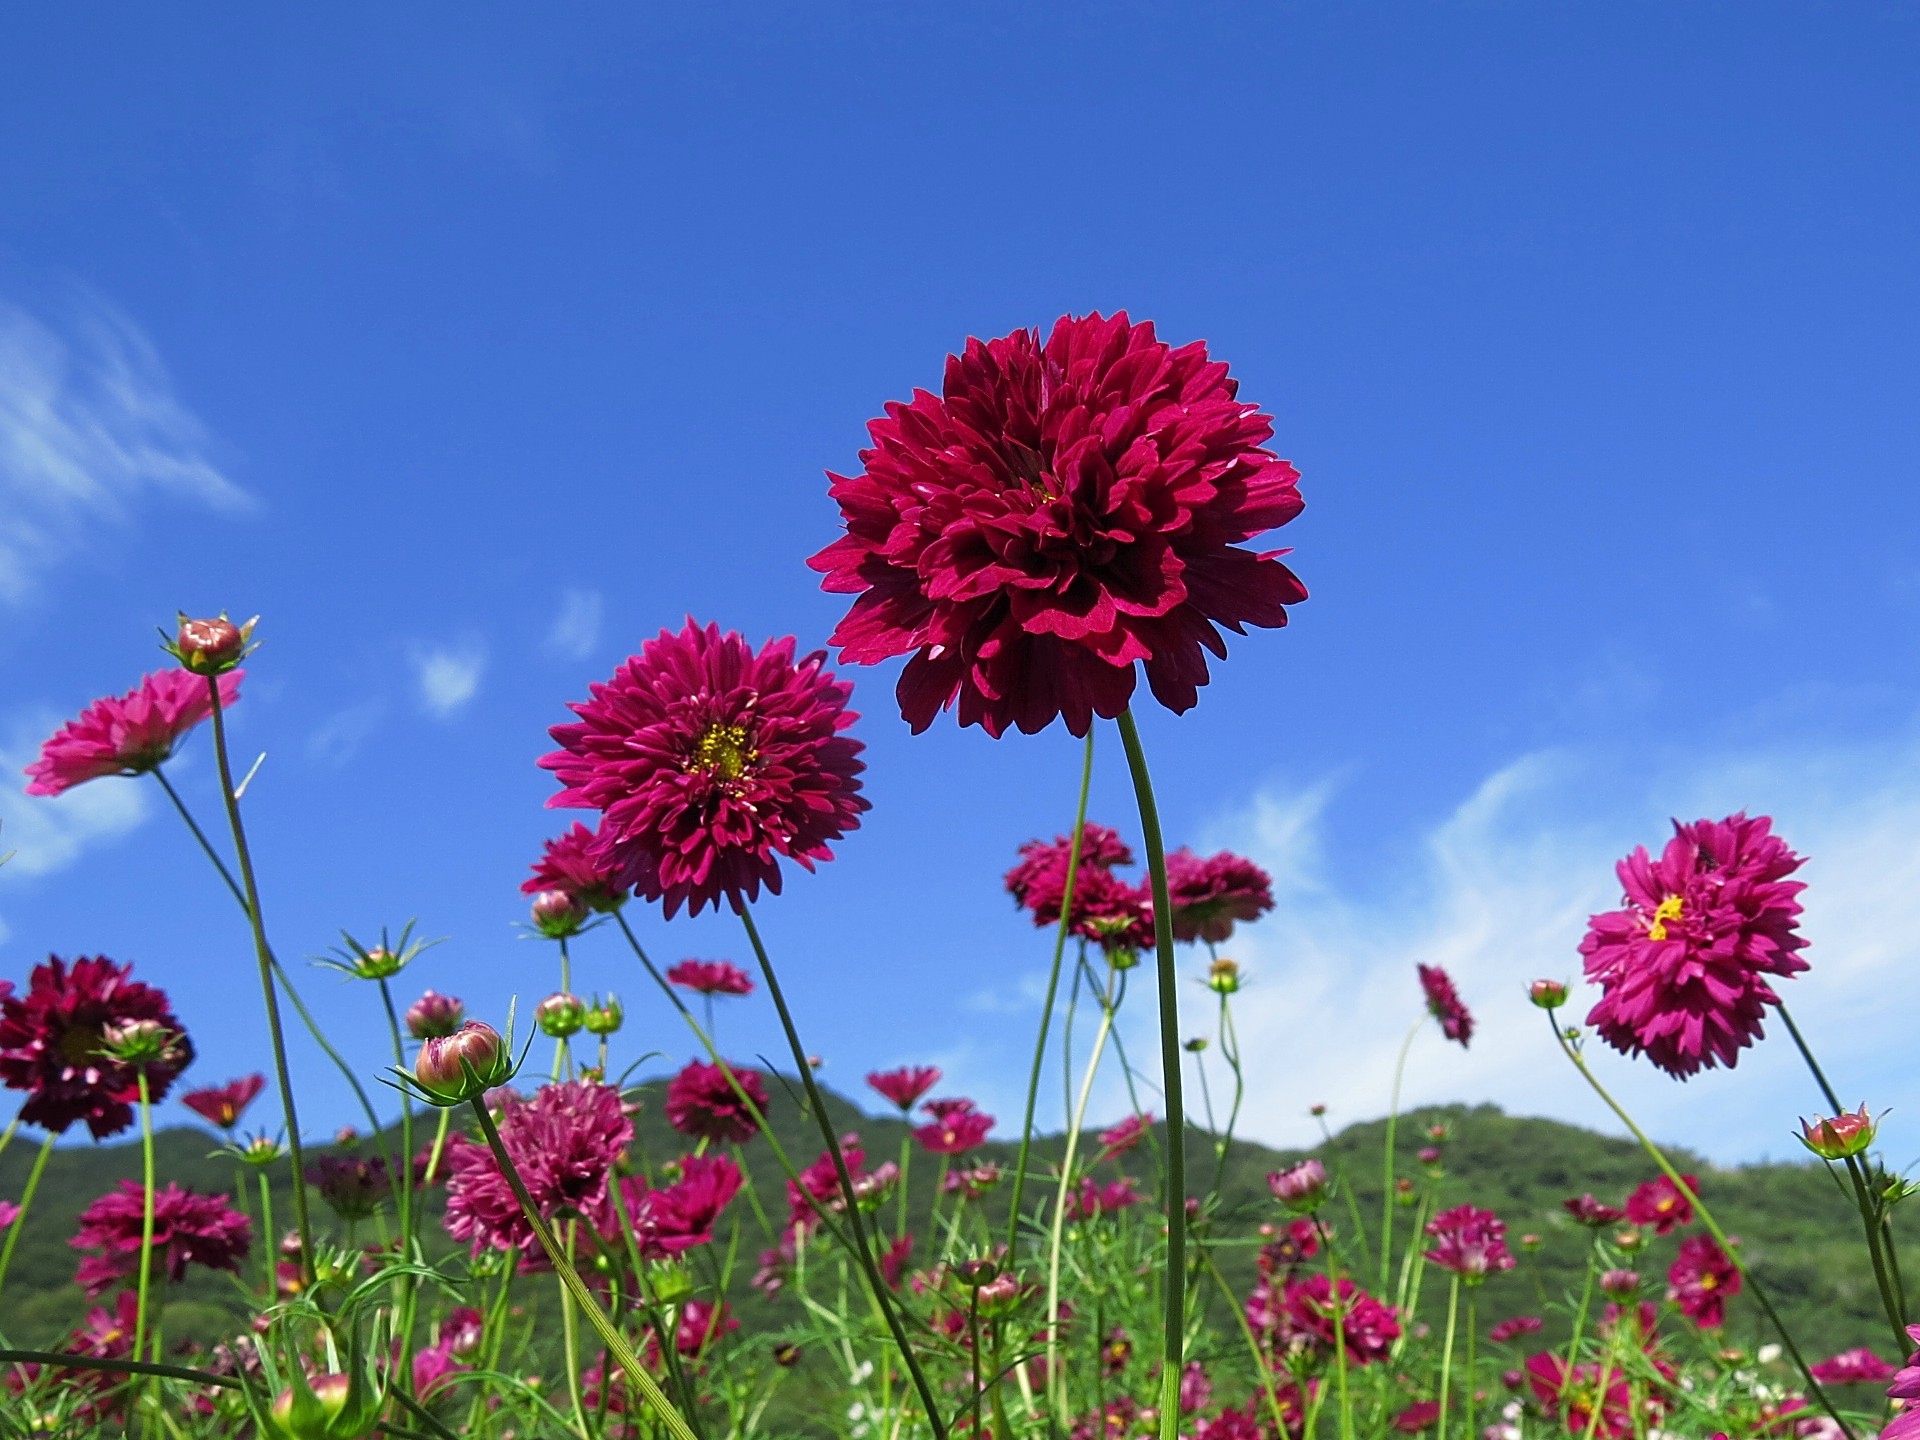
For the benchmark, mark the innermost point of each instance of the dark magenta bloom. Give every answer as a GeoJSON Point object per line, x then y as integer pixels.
{"type": "Point", "coordinates": [710, 977]}
{"type": "Point", "coordinates": [1119, 1139]}
{"type": "Point", "coordinates": [905, 1086]}
{"type": "Point", "coordinates": [51, 1039]}
{"type": "Point", "coordinates": [1470, 1242]}
{"type": "Point", "coordinates": [188, 1229]}
{"type": "Point", "coordinates": [223, 1105]}
{"type": "Point", "coordinates": [709, 763]}
{"type": "Point", "coordinates": [1092, 1199]}
{"type": "Point", "coordinates": [1859, 1366]}
{"type": "Point", "coordinates": [1682, 966]}
{"type": "Point", "coordinates": [1512, 1329]}
{"type": "Point", "coordinates": [955, 1131]}
{"type": "Point", "coordinates": [563, 1142]}
{"type": "Point", "coordinates": [130, 735]}
{"type": "Point", "coordinates": [1593, 1213]}
{"type": "Point", "coordinates": [1210, 895]}
{"type": "Point", "coordinates": [702, 1104]}
{"type": "Point", "coordinates": [1060, 513]}
{"type": "Point", "coordinates": [1302, 1314]}
{"type": "Point", "coordinates": [354, 1186]}
{"type": "Point", "coordinates": [1700, 1280]}
{"type": "Point", "coordinates": [670, 1221]}
{"type": "Point", "coordinates": [1660, 1203]}
{"type": "Point", "coordinates": [576, 865]}
{"type": "Point", "coordinates": [1036, 881]}
{"type": "Point", "coordinates": [1443, 1003]}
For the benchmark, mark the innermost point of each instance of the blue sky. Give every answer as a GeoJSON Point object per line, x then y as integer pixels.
{"type": "Point", "coordinates": [470, 349]}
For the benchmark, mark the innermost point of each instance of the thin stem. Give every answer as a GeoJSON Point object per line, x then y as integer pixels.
{"type": "Point", "coordinates": [1230, 1048]}
{"type": "Point", "coordinates": [404, 1180]}
{"type": "Point", "coordinates": [1174, 1350]}
{"type": "Point", "coordinates": [268, 1243]}
{"type": "Point", "coordinates": [439, 1144]}
{"type": "Point", "coordinates": [570, 1345]}
{"type": "Point", "coordinates": [251, 894]}
{"type": "Point", "coordinates": [146, 1214]}
{"type": "Point", "coordinates": [206, 845]}
{"type": "Point", "coordinates": [1473, 1334]}
{"type": "Point", "coordinates": [1339, 1329]}
{"type": "Point", "coordinates": [1056, 1376]}
{"type": "Point", "coordinates": [6, 1136]}
{"type": "Point", "coordinates": [26, 1203]}
{"type": "Point", "coordinates": [1393, 1127]}
{"type": "Point", "coordinates": [1446, 1352]}
{"type": "Point", "coordinates": [882, 1296]}
{"type": "Point", "coordinates": [616, 1343]}
{"type": "Point", "coordinates": [1806, 1054]}
{"type": "Point", "coordinates": [1060, 934]}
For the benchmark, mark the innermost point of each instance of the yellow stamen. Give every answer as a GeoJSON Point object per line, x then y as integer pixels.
{"type": "Point", "coordinates": [723, 750]}
{"type": "Point", "coordinates": [1669, 909]}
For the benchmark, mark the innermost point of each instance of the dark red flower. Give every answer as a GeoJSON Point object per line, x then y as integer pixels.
{"type": "Point", "coordinates": [1421, 1415]}
{"type": "Point", "coordinates": [354, 1186]}
{"type": "Point", "coordinates": [1681, 967]}
{"type": "Point", "coordinates": [1512, 1329]}
{"type": "Point", "coordinates": [893, 1264]}
{"type": "Point", "coordinates": [106, 1335]}
{"type": "Point", "coordinates": [1125, 1136]}
{"type": "Point", "coordinates": [1859, 1366]}
{"type": "Point", "coordinates": [188, 1229]}
{"type": "Point", "coordinates": [1093, 1199]}
{"type": "Point", "coordinates": [667, 1222]}
{"type": "Point", "coordinates": [1469, 1242]}
{"type": "Point", "coordinates": [1661, 1204]}
{"type": "Point", "coordinates": [1591, 1212]}
{"type": "Point", "coordinates": [1443, 1003]}
{"type": "Point", "coordinates": [818, 1186]}
{"type": "Point", "coordinates": [223, 1105]}
{"type": "Point", "coordinates": [1576, 1396]}
{"type": "Point", "coordinates": [51, 1037]}
{"type": "Point", "coordinates": [701, 1103]}
{"type": "Point", "coordinates": [1209, 895]}
{"type": "Point", "coordinates": [575, 865]}
{"type": "Point", "coordinates": [563, 1143]}
{"type": "Point", "coordinates": [710, 977]}
{"type": "Point", "coordinates": [905, 1086]}
{"type": "Point", "coordinates": [1059, 513]}
{"type": "Point", "coordinates": [956, 1132]}
{"type": "Point", "coordinates": [1700, 1280]}
{"type": "Point", "coordinates": [1035, 882]}
{"type": "Point", "coordinates": [130, 735]}
{"type": "Point", "coordinates": [710, 762]}
{"type": "Point", "coordinates": [1300, 1315]}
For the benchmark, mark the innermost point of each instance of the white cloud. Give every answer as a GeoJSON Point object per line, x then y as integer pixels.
{"type": "Point", "coordinates": [449, 676]}
{"type": "Point", "coordinates": [338, 738]}
{"type": "Point", "coordinates": [576, 629]}
{"type": "Point", "coordinates": [45, 833]}
{"type": "Point", "coordinates": [1499, 895]}
{"type": "Point", "coordinates": [88, 422]}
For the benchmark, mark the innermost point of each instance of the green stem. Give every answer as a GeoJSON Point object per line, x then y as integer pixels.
{"type": "Point", "coordinates": [1473, 1336]}
{"type": "Point", "coordinates": [26, 1203]}
{"type": "Point", "coordinates": [404, 1181]}
{"type": "Point", "coordinates": [1230, 1048]}
{"type": "Point", "coordinates": [883, 1298]}
{"type": "Point", "coordinates": [1173, 1353]}
{"type": "Point", "coordinates": [1056, 1372]}
{"type": "Point", "coordinates": [146, 1214]}
{"type": "Point", "coordinates": [251, 899]}
{"type": "Point", "coordinates": [570, 1344]}
{"type": "Point", "coordinates": [1339, 1329]}
{"type": "Point", "coordinates": [268, 1242]}
{"type": "Point", "coordinates": [1060, 934]}
{"type": "Point", "coordinates": [610, 1336]}
{"type": "Point", "coordinates": [1393, 1128]}
{"type": "Point", "coordinates": [1446, 1352]}
{"type": "Point", "coordinates": [439, 1144]}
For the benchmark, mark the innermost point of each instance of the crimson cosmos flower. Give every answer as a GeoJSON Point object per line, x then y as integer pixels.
{"type": "Point", "coordinates": [1700, 1280]}
{"type": "Point", "coordinates": [1037, 879]}
{"type": "Point", "coordinates": [563, 1142]}
{"type": "Point", "coordinates": [1682, 966]}
{"type": "Point", "coordinates": [572, 864]}
{"type": "Point", "coordinates": [1210, 894]}
{"type": "Point", "coordinates": [51, 1038]}
{"type": "Point", "coordinates": [1859, 1366]}
{"type": "Point", "coordinates": [1575, 1394]}
{"type": "Point", "coordinates": [667, 1222]}
{"type": "Point", "coordinates": [1512, 1329]}
{"type": "Point", "coordinates": [1660, 1203]}
{"type": "Point", "coordinates": [128, 735]}
{"type": "Point", "coordinates": [188, 1229]}
{"type": "Point", "coordinates": [701, 1104]}
{"type": "Point", "coordinates": [905, 1086]}
{"type": "Point", "coordinates": [1059, 513]}
{"type": "Point", "coordinates": [1126, 1135]}
{"type": "Point", "coordinates": [1302, 1314]}
{"type": "Point", "coordinates": [1469, 1242]}
{"type": "Point", "coordinates": [955, 1131]}
{"type": "Point", "coordinates": [1443, 1002]}
{"type": "Point", "coordinates": [710, 977]}
{"type": "Point", "coordinates": [1593, 1213]}
{"type": "Point", "coordinates": [1092, 1199]}
{"type": "Point", "coordinates": [223, 1105]}
{"type": "Point", "coordinates": [709, 762]}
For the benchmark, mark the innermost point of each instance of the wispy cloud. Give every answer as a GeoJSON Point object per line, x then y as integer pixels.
{"type": "Point", "coordinates": [449, 676]}
{"type": "Point", "coordinates": [50, 834]}
{"type": "Point", "coordinates": [576, 629]}
{"type": "Point", "coordinates": [88, 424]}
{"type": "Point", "coordinates": [338, 738]}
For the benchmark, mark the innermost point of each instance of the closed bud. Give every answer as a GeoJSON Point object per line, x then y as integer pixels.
{"type": "Point", "coordinates": [1620, 1284]}
{"type": "Point", "coordinates": [1547, 994]}
{"type": "Point", "coordinates": [1846, 1134]}
{"type": "Point", "coordinates": [558, 915]}
{"type": "Point", "coordinates": [1531, 1242]}
{"type": "Point", "coordinates": [604, 1017]}
{"type": "Point", "coordinates": [379, 963]}
{"type": "Point", "coordinates": [262, 1151]}
{"type": "Point", "coordinates": [434, 1016]}
{"type": "Point", "coordinates": [975, 1273]}
{"type": "Point", "coordinates": [1196, 1044]}
{"type": "Point", "coordinates": [669, 1283]}
{"type": "Point", "coordinates": [211, 647]}
{"type": "Point", "coordinates": [465, 1064]}
{"type": "Point", "coordinates": [326, 1408]}
{"type": "Point", "coordinates": [1630, 1240]}
{"type": "Point", "coordinates": [1223, 977]}
{"type": "Point", "coordinates": [141, 1043]}
{"type": "Point", "coordinates": [560, 1015]}
{"type": "Point", "coordinates": [1317, 1110]}
{"type": "Point", "coordinates": [1302, 1189]}
{"type": "Point", "coordinates": [786, 1355]}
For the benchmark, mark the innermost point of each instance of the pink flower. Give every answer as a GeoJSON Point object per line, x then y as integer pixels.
{"type": "Point", "coordinates": [1858, 1366]}
{"type": "Point", "coordinates": [893, 1264]}
{"type": "Point", "coordinates": [353, 1186]}
{"type": "Point", "coordinates": [51, 1039]}
{"type": "Point", "coordinates": [1661, 1204]}
{"type": "Point", "coordinates": [1125, 1136]}
{"type": "Point", "coordinates": [1575, 1395]}
{"type": "Point", "coordinates": [563, 1143]}
{"type": "Point", "coordinates": [9, 1212]}
{"type": "Point", "coordinates": [188, 1229]}
{"type": "Point", "coordinates": [710, 977]}
{"type": "Point", "coordinates": [1701, 1279]}
{"type": "Point", "coordinates": [1301, 1187]}
{"type": "Point", "coordinates": [1443, 1003]}
{"type": "Point", "coordinates": [1058, 514]}
{"type": "Point", "coordinates": [1301, 1314]}
{"type": "Point", "coordinates": [710, 762]}
{"type": "Point", "coordinates": [1421, 1415]}
{"type": "Point", "coordinates": [1092, 1200]}
{"type": "Point", "coordinates": [1469, 1242]}
{"type": "Point", "coordinates": [106, 1335]}
{"type": "Point", "coordinates": [1681, 968]}
{"type": "Point", "coordinates": [905, 1086]}
{"type": "Point", "coordinates": [131, 735]}
{"type": "Point", "coordinates": [1590, 1212]}
{"type": "Point", "coordinates": [1035, 882]}
{"type": "Point", "coordinates": [1210, 895]}
{"type": "Point", "coordinates": [1512, 1329]}
{"type": "Point", "coordinates": [955, 1132]}
{"type": "Point", "coordinates": [1195, 1388]}
{"type": "Point", "coordinates": [703, 1104]}
{"type": "Point", "coordinates": [670, 1221]}
{"type": "Point", "coordinates": [224, 1104]}
{"type": "Point", "coordinates": [574, 864]}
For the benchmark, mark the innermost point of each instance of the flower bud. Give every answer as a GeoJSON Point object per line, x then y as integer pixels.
{"type": "Point", "coordinates": [560, 1015]}
{"type": "Point", "coordinates": [1196, 1044]}
{"type": "Point", "coordinates": [975, 1273]}
{"type": "Point", "coordinates": [1630, 1240]}
{"type": "Point", "coordinates": [465, 1064]}
{"type": "Point", "coordinates": [1547, 994]}
{"type": "Point", "coordinates": [1429, 1155]}
{"type": "Point", "coordinates": [669, 1283]}
{"type": "Point", "coordinates": [323, 1412]}
{"type": "Point", "coordinates": [1531, 1242]}
{"type": "Point", "coordinates": [1620, 1284]}
{"type": "Point", "coordinates": [262, 1151]}
{"type": "Point", "coordinates": [1302, 1188]}
{"type": "Point", "coordinates": [786, 1355]}
{"type": "Point", "coordinates": [379, 963]}
{"type": "Point", "coordinates": [434, 1016]}
{"type": "Point", "coordinates": [211, 647]}
{"type": "Point", "coordinates": [1317, 1109]}
{"type": "Point", "coordinates": [1846, 1134]}
{"type": "Point", "coordinates": [1223, 977]}
{"type": "Point", "coordinates": [1403, 1192]}
{"type": "Point", "coordinates": [558, 915]}
{"type": "Point", "coordinates": [141, 1043]}
{"type": "Point", "coordinates": [605, 1016]}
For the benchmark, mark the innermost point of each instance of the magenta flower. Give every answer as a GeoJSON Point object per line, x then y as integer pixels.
{"type": "Point", "coordinates": [710, 977]}
{"type": "Point", "coordinates": [354, 1186]}
{"type": "Point", "coordinates": [1592, 1213]}
{"type": "Point", "coordinates": [1514, 1328]}
{"type": "Point", "coordinates": [1210, 895]}
{"type": "Point", "coordinates": [1059, 513]}
{"type": "Point", "coordinates": [1682, 967]}
{"type": "Point", "coordinates": [574, 865]}
{"type": "Point", "coordinates": [435, 1016]}
{"type": "Point", "coordinates": [670, 1221]}
{"type": "Point", "coordinates": [1660, 1203]}
{"type": "Point", "coordinates": [563, 1142]}
{"type": "Point", "coordinates": [51, 1040]}
{"type": "Point", "coordinates": [710, 762]}
{"type": "Point", "coordinates": [1859, 1366]}
{"type": "Point", "coordinates": [1443, 1003]}
{"type": "Point", "coordinates": [9, 1212]}
{"type": "Point", "coordinates": [1303, 1316]}
{"type": "Point", "coordinates": [955, 1132]}
{"type": "Point", "coordinates": [106, 1335]}
{"type": "Point", "coordinates": [1469, 1242]}
{"type": "Point", "coordinates": [1036, 881]}
{"type": "Point", "coordinates": [223, 1105]}
{"type": "Point", "coordinates": [701, 1103]}
{"type": "Point", "coordinates": [188, 1229]}
{"type": "Point", "coordinates": [1301, 1187]}
{"type": "Point", "coordinates": [818, 1186]}
{"type": "Point", "coordinates": [1421, 1415]}
{"type": "Point", "coordinates": [1195, 1388]}
{"type": "Point", "coordinates": [905, 1086]}
{"type": "Point", "coordinates": [1121, 1138]}
{"type": "Point", "coordinates": [129, 736]}
{"type": "Point", "coordinates": [1700, 1280]}
{"type": "Point", "coordinates": [1092, 1199]}
{"type": "Point", "coordinates": [1574, 1393]}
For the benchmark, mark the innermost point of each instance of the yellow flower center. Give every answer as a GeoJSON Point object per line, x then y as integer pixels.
{"type": "Point", "coordinates": [723, 750]}
{"type": "Point", "coordinates": [1669, 909]}
{"type": "Point", "coordinates": [1707, 1282]}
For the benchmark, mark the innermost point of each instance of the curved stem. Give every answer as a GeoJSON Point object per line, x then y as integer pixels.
{"type": "Point", "coordinates": [1174, 1348]}
{"type": "Point", "coordinates": [1056, 1377]}
{"type": "Point", "coordinates": [1393, 1127]}
{"type": "Point", "coordinates": [1446, 1353]}
{"type": "Point", "coordinates": [882, 1296]}
{"type": "Point", "coordinates": [251, 899]}
{"type": "Point", "coordinates": [1060, 934]}
{"type": "Point", "coordinates": [206, 845]}
{"type": "Point", "coordinates": [26, 1203]}
{"type": "Point", "coordinates": [146, 1214]}
{"type": "Point", "coordinates": [1339, 1329]}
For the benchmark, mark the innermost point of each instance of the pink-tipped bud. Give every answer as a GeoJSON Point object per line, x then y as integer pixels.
{"type": "Point", "coordinates": [558, 915]}
{"type": "Point", "coordinates": [141, 1043]}
{"type": "Point", "coordinates": [1302, 1188]}
{"type": "Point", "coordinates": [211, 647]}
{"type": "Point", "coordinates": [1620, 1284]}
{"type": "Point", "coordinates": [1630, 1240]}
{"type": "Point", "coordinates": [316, 1415]}
{"type": "Point", "coordinates": [560, 1015]}
{"type": "Point", "coordinates": [1848, 1133]}
{"type": "Point", "coordinates": [467, 1063]}
{"type": "Point", "coordinates": [1430, 1155]}
{"type": "Point", "coordinates": [604, 1017]}
{"type": "Point", "coordinates": [1223, 977]}
{"type": "Point", "coordinates": [1317, 1110]}
{"type": "Point", "coordinates": [434, 1016]}
{"type": "Point", "coordinates": [1531, 1242]}
{"type": "Point", "coordinates": [1547, 994]}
